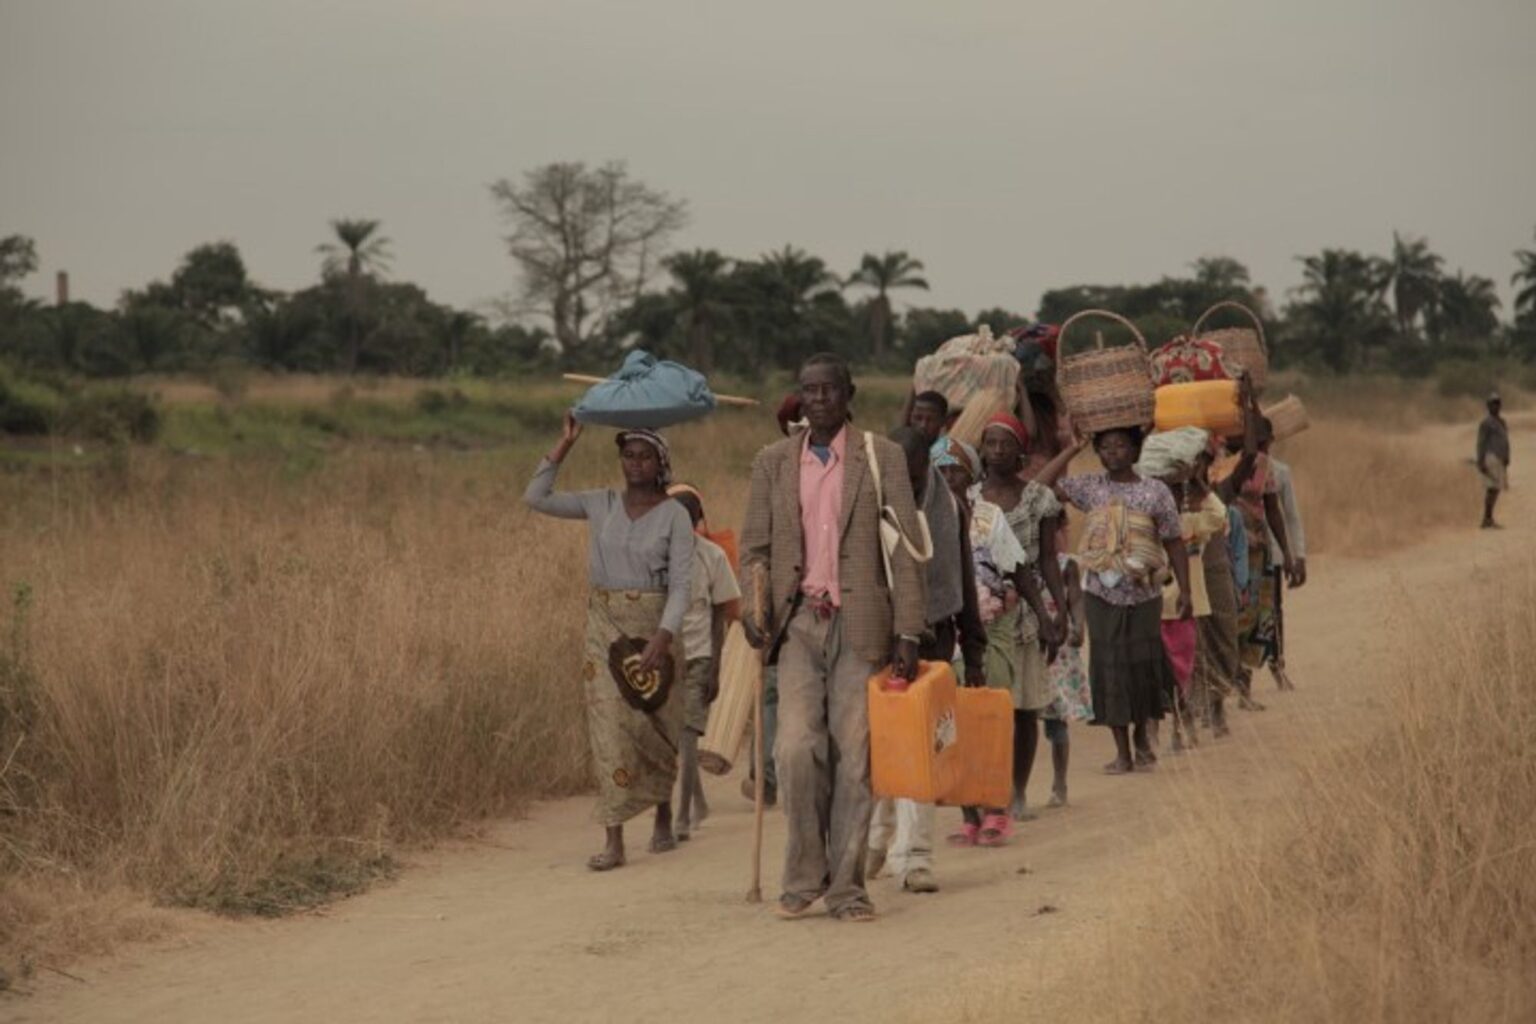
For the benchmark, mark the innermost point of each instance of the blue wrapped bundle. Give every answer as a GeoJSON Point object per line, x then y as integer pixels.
{"type": "Point", "coordinates": [647, 392]}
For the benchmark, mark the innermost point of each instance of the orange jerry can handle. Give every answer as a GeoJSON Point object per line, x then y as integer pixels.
{"type": "Point", "coordinates": [890, 682]}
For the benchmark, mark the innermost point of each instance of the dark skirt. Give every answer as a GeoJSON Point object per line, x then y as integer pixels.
{"type": "Point", "coordinates": [1217, 658]}
{"type": "Point", "coordinates": [1128, 670]}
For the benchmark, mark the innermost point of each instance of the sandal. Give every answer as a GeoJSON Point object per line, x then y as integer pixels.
{"type": "Point", "coordinates": [965, 837]}
{"type": "Point", "coordinates": [1118, 767]}
{"type": "Point", "coordinates": [794, 904]}
{"type": "Point", "coordinates": [994, 831]}
{"type": "Point", "coordinates": [854, 913]}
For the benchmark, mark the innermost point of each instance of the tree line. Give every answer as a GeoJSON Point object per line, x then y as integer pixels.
{"type": "Point", "coordinates": [596, 273]}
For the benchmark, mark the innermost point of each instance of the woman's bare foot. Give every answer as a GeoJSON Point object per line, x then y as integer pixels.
{"type": "Point", "coordinates": [1282, 680]}
{"type": "Point", "coordinates": [1018, 812]}
{"type": "Point", "coordinates": [1058, 797]}
{"type": "Point", "coordinates": [1119, 766]}
{"type": "Point", "coordinates": [1146, 760]}
{"type": "Point", "coordinates": [662, 840]}
{"type": "Point", "coordinates": [613, 852]}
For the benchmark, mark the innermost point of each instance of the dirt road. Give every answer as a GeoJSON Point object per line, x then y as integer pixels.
{"type": "Point", "coordinates": [514, 928]}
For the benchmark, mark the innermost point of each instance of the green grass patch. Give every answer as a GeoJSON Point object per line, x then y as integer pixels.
{"type": "Point", "coordinates": [294, 884]}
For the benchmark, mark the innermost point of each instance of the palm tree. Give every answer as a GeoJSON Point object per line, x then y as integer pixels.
{"type": "Point", "coordinates": [800, 277]}
{"type": "Point", "coordinates": [883, 273]}
{"type": "Point", "coordinates": [1465, 309]}
{"type": "Point", "coordinates": [361, 254]}
{"type": "Point", "coordinates": [360, 251]}
{"type": "Point", "coordinates": [702, 295]}
{"type": "Point", "coordinates": [1412, 273]}
{"type": "Point", "coordinates": [1338, 308]}
{"type": "Point", "coordinates": [1525, 280]}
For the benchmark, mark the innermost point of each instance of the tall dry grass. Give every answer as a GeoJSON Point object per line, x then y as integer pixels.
{"type": "Point", "coordinates": [1393, 881]}
{"type": "Point", "coordinates": [1365, 491]}
{"type": "Point", "coordinates": [227, 684]}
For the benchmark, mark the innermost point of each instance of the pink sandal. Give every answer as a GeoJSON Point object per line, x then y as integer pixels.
{"type": "Point", "coordinates": [965, 837]}
{"type": "Point", "coordinates": [994, 830]}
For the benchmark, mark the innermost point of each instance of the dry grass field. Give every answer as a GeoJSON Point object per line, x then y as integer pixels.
{"type": "Point", "coordinates": [1386, 872]}
{"type": "Point", "coordinates": [228, 684]}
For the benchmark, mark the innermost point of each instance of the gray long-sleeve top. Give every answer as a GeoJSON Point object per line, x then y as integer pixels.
{"type": "Point", "coordinates": [654, 552]}
{"type": "Point", "coordinates": [1295, 532]}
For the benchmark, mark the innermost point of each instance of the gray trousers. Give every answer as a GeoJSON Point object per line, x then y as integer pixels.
{"type": "Point", "coordinates": [822, 752]}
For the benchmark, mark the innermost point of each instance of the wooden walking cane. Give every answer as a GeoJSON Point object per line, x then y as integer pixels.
{"type": "Point", "coordinates": [755, 894]}
{"type": "Point", "coordinates": [759, 601]}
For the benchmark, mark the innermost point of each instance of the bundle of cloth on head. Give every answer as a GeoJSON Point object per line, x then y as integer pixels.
{"type": "Point", "coordinates": [656, 441]}
{"type": "Point", "coordinates": [646, 392]}
{"type": "Point", "coordinates": [1034, 346]}
{"type": "Point", "coordinates": [1170, 452]}
{"type": "Point", "coordinates": [1185, 360]}
{"type": "Point", "coordinates": [964, 366]}
{"type": "Point", "coordinates": [951, 451]}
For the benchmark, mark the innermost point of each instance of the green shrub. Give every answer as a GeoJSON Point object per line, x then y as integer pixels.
{"type": "Point", "coordinates": [26, 406]}
{"type": "Point", "coordinates": [323, 421]}
{"type": "Point", "coordinates": [434, 402]}
{"type": "Point", "coordinates": [112, 415]}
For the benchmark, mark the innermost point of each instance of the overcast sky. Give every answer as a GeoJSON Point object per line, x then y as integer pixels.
{"type": "Point", "coordinates": [1012, 145]}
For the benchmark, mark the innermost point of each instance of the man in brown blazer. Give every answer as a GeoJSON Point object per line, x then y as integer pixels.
{"type": "Point", "coordinates": [832, 620]}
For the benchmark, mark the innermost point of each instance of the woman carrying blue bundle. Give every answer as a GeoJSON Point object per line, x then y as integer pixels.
{"type": "Point", "coordinates": [639, 566]}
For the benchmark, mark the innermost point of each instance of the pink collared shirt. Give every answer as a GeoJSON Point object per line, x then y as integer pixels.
{"type": "Point", "coordinates": [821, 510]}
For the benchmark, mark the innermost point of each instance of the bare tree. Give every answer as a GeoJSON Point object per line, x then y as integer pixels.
{"type": "Point", "coordinates": [585, 240]}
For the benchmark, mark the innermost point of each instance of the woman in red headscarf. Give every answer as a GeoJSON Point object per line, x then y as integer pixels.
{"type": "Point", "coordinates": [1028, 507]}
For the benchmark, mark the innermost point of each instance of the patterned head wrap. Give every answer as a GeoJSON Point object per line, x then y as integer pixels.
{"type": "Point", "coordinates": [950, 451]}
{"type": "Point", "coordinates": [1010, 423]}
{"type": "Point", "coordinates": [1172, 451]}
{"type": "Point", "coordinates": [656, 441]}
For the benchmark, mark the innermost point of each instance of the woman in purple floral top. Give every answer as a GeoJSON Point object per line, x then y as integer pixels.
{"type": "Point", "coordinates": [1133, 530]}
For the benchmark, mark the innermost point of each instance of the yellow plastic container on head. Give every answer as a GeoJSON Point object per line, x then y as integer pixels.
{"type": "Point", "coordinates": [912, 734]}
{"type": "Point", "coordinates": [1208, 404]}
{"type": "Point", "coordinates": [984, 718]}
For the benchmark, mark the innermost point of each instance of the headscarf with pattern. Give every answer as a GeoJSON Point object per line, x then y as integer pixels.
{"type": "Point", "coordinates": [656, 441]}
{"type": "Point", "coordinates": [951, 451]}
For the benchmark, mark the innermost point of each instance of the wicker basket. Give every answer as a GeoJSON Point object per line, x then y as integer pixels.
{"type": "Point", "coordinates": [1105, 388]}
{"type": "Point", "coordinates": [1242, 348]}
{"type": "Point", "coordinates": [1288, 417]}
{"type": "Point", "coordinates": [982, 406]}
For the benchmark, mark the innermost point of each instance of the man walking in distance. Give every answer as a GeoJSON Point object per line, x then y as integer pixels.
{"type": "Point", "coordinates": [833, 619]}
{"type": "Point", "coordinates": [1493, 457]}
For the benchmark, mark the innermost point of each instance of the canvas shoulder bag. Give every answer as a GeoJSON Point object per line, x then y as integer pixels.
{"type": "Point", "coordinates": [891, 533]}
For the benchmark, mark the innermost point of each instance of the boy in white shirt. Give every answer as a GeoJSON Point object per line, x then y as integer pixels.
{"type": "Point", "coordinates": [716, 597]}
